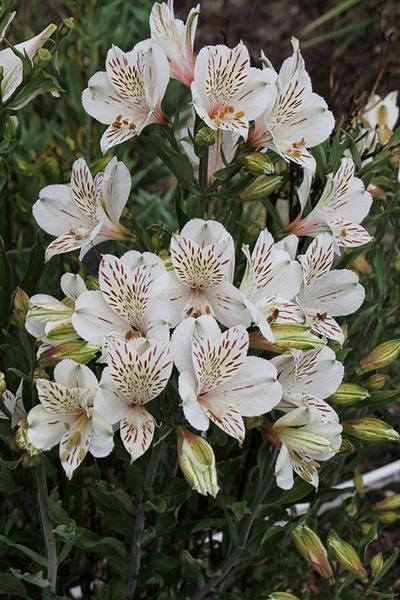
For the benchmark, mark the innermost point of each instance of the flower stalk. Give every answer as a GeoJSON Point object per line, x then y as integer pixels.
{"type": "Point", "coordinates": [47, 528]}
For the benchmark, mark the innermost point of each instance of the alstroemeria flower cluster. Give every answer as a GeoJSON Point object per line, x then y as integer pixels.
{"type": "Point", "coordinates": [171, 336]}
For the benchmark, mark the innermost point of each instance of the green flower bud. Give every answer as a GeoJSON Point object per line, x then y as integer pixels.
{"type": "Point", "coordinates": [358, 482]}
{"type": "Point", "coordinates": [382, 356]}
{"type": "Point", "coordinates": [387, 517]}
{"type": "Point", "coordinates": [79, 351]}
{"type": "Point", "coordinates": [258, 163]}
{"type": "Point", "coordinates": [61, 332]}
{"type": "Point", "coordinates": [66, 26]}
{"type": "Point", "coordinates": [197, 462]}
{"type": "Point", "coordinates": [369, 429]}
{"type": "Point", "coordinates": [42, 57]}
{"type": "Point", "coordinates": [346, 447]}
{"type": "Point", "coordinates": [348, 394]}
{"type": "Point", "coordinates": [312, 549]}
{"type": "Point", "coordinates": [205, 137]}
{"type": "Point", "coordinates": [390, 503]}
{"type": "Point", "coordinates": [261, 188]}
{"type": "Point", "coordinates": [287, 337]}
{"type": "Point", "coordinates": [376, 564]}
{"type": "Point", "coordinates": [346, 556]}
{"type": "Point", "coordinates": [376, 382]}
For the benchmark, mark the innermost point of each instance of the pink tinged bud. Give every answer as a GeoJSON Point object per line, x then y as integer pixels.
{"type": "Point", "coordinates": [79, 351]}
{"type": "Point", "coordinates": [369, 429]}
{"type": "Point", "coordinates": [312, 550]}
{"type": "Point", "coordinates": [197, 462]}
{"type": "Point", "coordinates": [376, 382]}
{"type": "Point", "coordinates": [346, 556]}
{"type": "Point", "coordinates": [287, 337]}
{"type": "Point", "coordinates": [382, 356]}
{"type": "Point", "coordinates": [348, 394]}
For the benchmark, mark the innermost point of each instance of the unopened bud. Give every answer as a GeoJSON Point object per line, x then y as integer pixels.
{"type": "Point", "coordinates": [282, 596]}
{"type": "Point", "coordinates": [376, 564]}
{"type": "Point", "coordinates": [197, 462]}
{"type": "Point", "coordinates": [79, 351]}
{"type": "Point", "coordinates": [92, 283]}
{"type": "Point", "coordinates": [21, 439]}
{"type": "Point", "coordinates": [382, 356]}
{"type": "Point", "coordinates": [361, 266]}
{"type": "Point", "coordinates": [370, 429]}
{"type": "Point", "coordinates": [346, 447]}
{"type": "Point", "coordinates": [61, 332]}
{"type": "Point", "coordinates": [377, 381]}
{"type": "Point", "coordinates": [258, 163]}
{"type": "Point", "coordinates": [205, 137]}
{"type": "Point", "coordinates": [21, 304]}
{"type": "Point", "coordinates": [376, 192]}
{"type": "Point", "coordinates": [390, 503]}
{"type": "Point", "coordinates": [287, 337]}
{"type": "Point", "coordinates": [358, 482]}
{"type": "Point", "coordinates": [3, 384]}
{"type": "Point", "coordinates": [387, 517]}
{"type": "Point", "coordinates": [348, 394]}
{"type": "Point", "coordinates": [66, 26]}
{"type": "Point", "coordinates": [261, 188]}
{"type": "Point", "coordinates": [312, 549]}
{"type": "Point", "coordinates": [42, 57]}
{"type": "Point", "coordinates": [346, 556]}
{"type": "Point", "coordinates": [365, 528]}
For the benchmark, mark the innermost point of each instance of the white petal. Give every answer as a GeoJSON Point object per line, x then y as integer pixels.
{"type": "Point", "coordinates": [283, 469]}
{"type": "Point", "coordinates": [254, 390]}
{"type": "Point", "coordinates": [93, 319]}
{"type": "Point", "coordinates": [75, 445]}
{"type": "Point", "coordinates": [55, 212]}
{"type": "Point", "coordinates": [72, 285]}
{"type": "Point", "coordinates": [46, 429]}
{"type": "Point", "coordinates": [102, 441]}
{"type": "Point", "coordinates": [137, 431]}
{"type": "Point", "coordinates": [116, 187]}
{"type": "Point", "coordinates": [108, 402]}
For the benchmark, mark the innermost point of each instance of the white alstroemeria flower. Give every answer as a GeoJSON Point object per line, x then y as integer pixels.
{"type": "Point", "coordinates": [379, 116]}
{"type": "Point", "coordinates": [203, 259]}
{"type": "Point", "coordinates": [48, 316]}
{"type": "Point", "coordinates": [125, 303]}
{"type": "Point", "coordinates": [66, 416]}
{"type": "Point", "coordinates": [326, 294]}
{"type": "Point", "coordinates": [87, 211]}
{"type": "Point", "coordinates": [304, 441]}
{"type": "Point", "coordinates": [137, 372]}
{"type": "Point", "coordinates": [127, 96]}
{"type": "Point", "coordinates": [227, 92]}
{"type": "Point", "coordinates": [176, 38]}
{"type": "Point", "coordinates": [12, 65]}
{"type": "Point", "coordinates": [14, 406]}
{"type": "Point", "coordinates": [218, 381]}
{"type": "Point", "coordinates": [344, 203]}
{"type": "Point", "coordinates": [307, 379]}
{"type": "Point", "coordinates": [271, 280]}
{"type": "Point", "coordinates": [295, 118]}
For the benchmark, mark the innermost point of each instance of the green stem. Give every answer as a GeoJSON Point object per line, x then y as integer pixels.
{"type": "Point", "coordinates": [248, 521]}
{"type": "Point", "coordinates": [140, 522]}
{"type": "Point", "coordinates": [47, 527]}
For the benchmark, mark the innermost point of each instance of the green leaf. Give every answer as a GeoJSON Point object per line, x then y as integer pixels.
{"type": "Point", "coordinates": [147, 535]}
{"type": "Point", "coordinates": [33, 578]}
{"type": "Point", "coordinates": [105, 546]}
{"type": "Point", "coordinates": [35, 267]}
{"type": "Point", "coordinates": [10, 585]}
{"type": "Point", "coordinates": [330, 14]}
{"type": "Point", "coordinates": [6, 286]}
{"type": "Point", "coordinates": [300, 490]}
{"type": "Point", "coordinates": [108, 497]}
{"type": "Point", "coordinates": [40, 82]}
{"type": "Point", "coordinates": [37, 558]}
{"type": "Point", "coordinates": [177, 162]}
{"type": "Point", "coordinates": [239, 509]}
